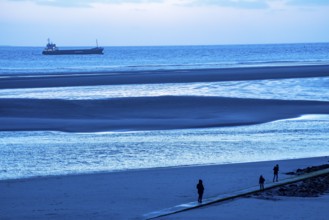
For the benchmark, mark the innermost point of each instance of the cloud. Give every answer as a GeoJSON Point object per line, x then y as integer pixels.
{"type": "Point", "coordinates": [245, 4]}
{"type": "Point", "coordinates": [257, 4]}
{"type": "Point", "coordinates": [84, 3]}
{"type": "Point", "coordinates": [308, 2]}
{"type": "Point", "coordinates": [248, 4]}
{"type": "Point", "coordinates": [252, 4]}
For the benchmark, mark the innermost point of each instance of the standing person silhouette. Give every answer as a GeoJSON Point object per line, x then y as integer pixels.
{"type": "Point", "coordinates": [276, 173]}
{"type": "Point", "coordinates": [200, 188]}
{"type": "Point", "coordinates": [261, 182]}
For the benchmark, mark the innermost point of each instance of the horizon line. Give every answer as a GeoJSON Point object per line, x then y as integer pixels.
{"type": "Point", "coordinates": [175, 45]}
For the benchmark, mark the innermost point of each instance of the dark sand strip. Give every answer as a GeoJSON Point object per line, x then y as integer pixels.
{"type": "Point", "coordinates": [147, 113]}
{"type": "Point", "coordinates": [161, 76]}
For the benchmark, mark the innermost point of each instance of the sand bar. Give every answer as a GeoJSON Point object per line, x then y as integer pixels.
{"type": "Point", "coordinates": [8, 81]}
{"type": "Point", "coordinates": [147, 113]}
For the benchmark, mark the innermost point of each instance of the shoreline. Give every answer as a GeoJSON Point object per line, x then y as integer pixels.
{"type": "Point", "coordinates": [151, 169]}
{"type": "Point", "coordinates": [15, 81]}
{"type": "Point", "coordinates": [130, 194]}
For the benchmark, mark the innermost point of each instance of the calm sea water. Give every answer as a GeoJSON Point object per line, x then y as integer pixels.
{"type": "Point", "coordinates": [25, 154]}
{"type": "Point", "coordinates": [30, 60]}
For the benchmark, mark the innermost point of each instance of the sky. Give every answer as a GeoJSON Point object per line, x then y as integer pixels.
{"type": "Point", "coordinates": [162, 22]}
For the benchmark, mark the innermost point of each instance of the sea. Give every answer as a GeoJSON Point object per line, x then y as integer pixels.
{"type": "Point", "coordinates": [25, 154]}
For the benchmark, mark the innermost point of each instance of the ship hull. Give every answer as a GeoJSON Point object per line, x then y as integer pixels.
{"type": "Point", "coordinates": [97, 50]}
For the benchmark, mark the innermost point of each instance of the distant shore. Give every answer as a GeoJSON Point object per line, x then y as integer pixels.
{"type": "Point", "coordinates": [131, 194]}
{"type": "Point", "coordinates": [9, 81]}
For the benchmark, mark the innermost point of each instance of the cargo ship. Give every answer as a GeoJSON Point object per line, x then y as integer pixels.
{"type": "Point", "coordinates": [52, 49]}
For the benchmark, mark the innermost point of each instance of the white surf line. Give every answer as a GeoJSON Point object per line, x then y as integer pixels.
{"type": "Point", "coordinates": [228, 196]}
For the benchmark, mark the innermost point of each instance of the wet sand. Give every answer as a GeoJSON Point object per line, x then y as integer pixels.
{"type": "Point", "coordinates": [160, 76]}
{"type": "Point", "coordinates": [147, 113]}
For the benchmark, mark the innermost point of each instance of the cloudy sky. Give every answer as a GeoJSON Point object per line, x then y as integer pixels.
{"type": "Point", "coordinates": [162, 22]}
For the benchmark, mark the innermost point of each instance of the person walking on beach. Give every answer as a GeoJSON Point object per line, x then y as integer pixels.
{"type": "Point", "coordinates": [200, 188]}
{"type": "Point", "coordinates": [261, 182]}
{"type": "Point", "coordinates": [276, 173]}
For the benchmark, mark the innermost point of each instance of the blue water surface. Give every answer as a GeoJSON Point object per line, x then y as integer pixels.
{"type": "Point", "coordinates": [26, 60]}
{"type": "Point", "coordinates": [42, 153]}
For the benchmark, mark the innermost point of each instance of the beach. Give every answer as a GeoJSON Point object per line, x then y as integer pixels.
{"type": "Point", "coordinates": [132, 194]}
{"type": "Point", "coordinates": [116, 110]}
